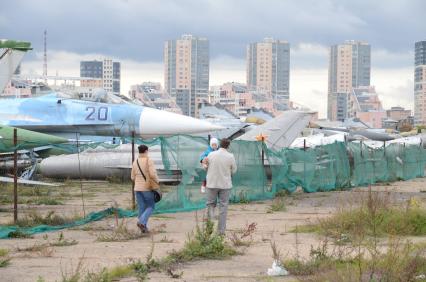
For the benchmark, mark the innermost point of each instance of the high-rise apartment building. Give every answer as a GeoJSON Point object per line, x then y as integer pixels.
{"type": "Point", "coordinates": [186, 72]}
{"type": "Point", "coordinates": [420, 83]}
{"type": "Point", "coordinates": [349, 67]}
{"type": "Point", "coordinates": [268, 70]}
{"type": "Point", "coordinates": [105, 74]}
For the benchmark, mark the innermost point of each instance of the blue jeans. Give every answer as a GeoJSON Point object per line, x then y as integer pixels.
{"type": "Point", "coordinates": [146, 205]}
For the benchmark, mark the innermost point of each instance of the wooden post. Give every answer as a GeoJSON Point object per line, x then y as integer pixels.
{"type": "Point", "coordinates": [384, 148]}
{"type": "Point", "coordinates": [133, 159]}
{"type": "Point", "coordinates": [304, 163]}
{"type": "Point", "coordinates": [15, 176]}
{"type": "Point", "coordinates": [262, 138]}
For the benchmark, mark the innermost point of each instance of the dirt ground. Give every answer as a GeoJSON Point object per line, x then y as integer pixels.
{"type": "Point", "coordinates": [174, 228]}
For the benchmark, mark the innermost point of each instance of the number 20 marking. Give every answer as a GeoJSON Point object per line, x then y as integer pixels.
{"type": "Point", "coordinates": [102, 113]}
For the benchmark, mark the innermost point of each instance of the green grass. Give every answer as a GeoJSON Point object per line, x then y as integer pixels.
{"type": "Point", "coordinates": [120, 234]}
{"type": "Point", "coordinates": [163, 216]}
{"type": "Point", "coordinates": [205, 244]}
{"type": "Point", "coordinates": [109, 275]}
{"type": "Point", "coordinates": [376, 216]}
{"type": "Point", "coordinates": [63, 242]}
{"type": "Point", "coordinates": [390, 221]}
{"type": "Point", "coordinates": [400, 262]}
{"type": "Point", "coordinates": [4, 258]}
{"type": "Point", "coordinates": [48, 201]}
{"type": "Point", "coordinates": [277, 205]}
{"type": "Point", "coordinates": [359, 251]}
{"type": "Point", "coordinates": [51, 218]}
{"type": "Point", "coordinates": [282, 194]}
{"type": "Point", "coordinates": [18, 234]}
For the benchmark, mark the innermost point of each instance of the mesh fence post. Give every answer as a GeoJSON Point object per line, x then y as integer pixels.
{"type": "Point", "coordinates": [15, 176]}
{"type": "Point", "coordinates": [77, 136]}
{"type": "Point", "coordinates": [133, 182]}
{"type": "Point", "coordinates": [304, 162]}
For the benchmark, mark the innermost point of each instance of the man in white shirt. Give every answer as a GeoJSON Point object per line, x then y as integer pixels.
{"type": "Point", "coordinates": [221, 166]}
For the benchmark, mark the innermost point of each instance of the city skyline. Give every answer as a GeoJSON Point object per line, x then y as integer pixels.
{"type": "Point", "coordinates": [136, 39]}
{"type": "Point", "coordinates": [389, 83]}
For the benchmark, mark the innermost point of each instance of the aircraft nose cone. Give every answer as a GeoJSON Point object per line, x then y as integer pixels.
{"type": "Point", "coordinates": [160, 123]}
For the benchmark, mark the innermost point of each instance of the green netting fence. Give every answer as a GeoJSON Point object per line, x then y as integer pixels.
{"type": "Point", "coordinates": [263, 172]}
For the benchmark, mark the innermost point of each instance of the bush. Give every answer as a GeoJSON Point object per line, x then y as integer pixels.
{"type": "Point", "coordinates": [205, 244]}
{"type": "Point", "coordinates": [376, 216]}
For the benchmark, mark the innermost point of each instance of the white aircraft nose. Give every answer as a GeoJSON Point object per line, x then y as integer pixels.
{"type": "Point", "coordinates": [160, 123]}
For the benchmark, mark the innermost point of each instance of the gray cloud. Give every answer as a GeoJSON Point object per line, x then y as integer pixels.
{"type": "Point", "coordinates": [137, 30]}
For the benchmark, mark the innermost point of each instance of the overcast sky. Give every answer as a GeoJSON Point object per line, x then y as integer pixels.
{"type": "Point", "coordinates": [134, 31]}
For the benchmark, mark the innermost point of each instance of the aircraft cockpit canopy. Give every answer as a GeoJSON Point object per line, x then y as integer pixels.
{"type": "Point", "coordinates": [97, 95]}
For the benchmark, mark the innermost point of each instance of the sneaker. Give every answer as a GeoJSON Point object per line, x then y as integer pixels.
{"type": "Point", "coordinates": [142, 227]}
{"type": "Point", "coordinates": [203, 189]}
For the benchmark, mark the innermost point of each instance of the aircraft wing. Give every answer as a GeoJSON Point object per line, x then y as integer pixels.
{"type": "Point", "coordinates": [28, 182]}
{"type": "Point", "coordinates": [280, 131]}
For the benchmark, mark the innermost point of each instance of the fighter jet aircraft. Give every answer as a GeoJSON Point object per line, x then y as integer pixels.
{"type": "Point", "coordinates": [104, 115]}
{"type": "Point", "coordinates": [56, 114]}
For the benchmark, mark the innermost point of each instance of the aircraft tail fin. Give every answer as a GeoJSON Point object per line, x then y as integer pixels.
{"type": "Point", "coordinates": [11, 55]}
{"type": "Point", "coordinates": [280, 131]}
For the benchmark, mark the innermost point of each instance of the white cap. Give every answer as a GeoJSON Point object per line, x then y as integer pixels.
{"type": "Point", "coordinates": [214, 141]}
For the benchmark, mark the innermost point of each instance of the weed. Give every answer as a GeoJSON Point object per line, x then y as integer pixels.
{"type": "Point", "coordinates": [249, 230]}
{"type": "Point", "coordinates": [119, 234]}
{"type": "Point", "coordinates": [51, 218]}
{"type": "Point", "coordinates": [400, 262]}
{"type": "Point", "coordinates": [18, 234]}
{"type": "Point", "coordinates": [243, 237]}
{"type": "Point", "coordinates": [356, 254]}
{"type": "Point", "coordinates": [41, 249]}
{"type": "Point", "coordinates": [75, 274]}
{"type": "Point", "coordinates": [162, 216]}
{"type": "Point", "coordinates": [107, 275]}
{"type": "Point", "coordinates": [48, 201]}
{"type": "Point", "coordinates": [237, 241]}
{"type": "Point", "coordinates": [141, 270]}
{"type": "Point", "coordinates": [171, 271]}
{"type": "Point", "coordinates": [308, 228]}
{"type": "Point", "coordinates": [62, 242]}
{"type": "Point", "coordinates": [204, 244]}
{"type": "Point", "coordinates": [276, 253]}
{"type": "Point", "coordinates": [277, 205]}
{"type": "Point", "coordinates": [4, 258]}
{"type": "Point", "coordinates": [282, 194]}
{"type": "Point", "coordinates": [166, 240]}
{"type": "Point", "coordinates": [159, 229]}
{"type": "Point", "coordinates": [243, 199]}
{"type": "Point", "coordinates": [377, 215]}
